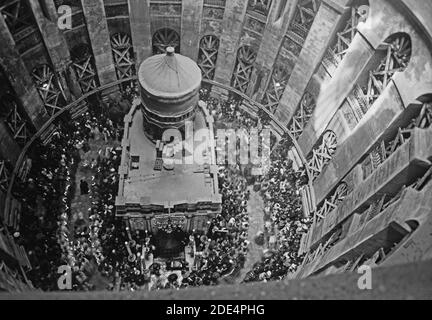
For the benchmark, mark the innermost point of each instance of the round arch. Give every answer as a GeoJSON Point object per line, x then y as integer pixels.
{"type": "Point", "coordinates": [164, 38]}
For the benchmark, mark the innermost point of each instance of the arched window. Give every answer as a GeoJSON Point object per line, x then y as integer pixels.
{"type": "Point", "coordinates": [276, 87]}
{"type": "Point", "coordinates": [323, 154]}
{"type": "Point", "coordinates": [17, 15]}
{"type": "Point", "coordinates": [207, 56]}
{"type": "Point", "coordinates": [84, 67]}
{"type": "Point", "coordinates": [243, 69]}
{"type": "Point", "coordinates": [14, 119]}
{"type": "Point", "coordinates": [48, 88]}
{"type": "Point", "coordinates": [122, 50]}
{"type": "Point", "coordinates": [303, 115]}
{"type": "Point", "coordinates": [392, 56]}
{"type": "Point", "coordinates": [336, 53]}
{"type": "Point", "coordinates": [164, 38]}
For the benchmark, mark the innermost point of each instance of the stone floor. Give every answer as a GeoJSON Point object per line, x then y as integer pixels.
{"type": "Point", "coordinates": [256, 225]}
{"type": "Point", "coordinates": [82, 203]}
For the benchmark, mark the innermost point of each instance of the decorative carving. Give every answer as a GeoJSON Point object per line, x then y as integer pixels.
{"type": "Point", "coordinates": [169, 224]}
{"type": "Point", "coordinates": [138, 224]}
{"type": "Point", "coordinates": [164, 38]}
{"type": "Point", "coordinates": [162, 9]}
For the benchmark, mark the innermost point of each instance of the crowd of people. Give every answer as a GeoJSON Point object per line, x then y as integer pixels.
{"type": "Point", "coordinates": [279, 187]}
{"type": "Point", "coordinates": [97, 245]}
{"type": "Point", "coordinates": [284, 214]}
{"type": "Point", "coordinates": [111, 235]}
{"type": "Point", "coordinates": [46, 195]}
{"type": "Point", "coordinates": [228, 112]}
{"type": "Point", "coordinates": [223, 250]}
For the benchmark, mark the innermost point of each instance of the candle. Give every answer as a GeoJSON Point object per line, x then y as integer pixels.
{"type": "Point", "coordinates": [129, 234]}
{"type": "Point", "coordinates": [128, 248]}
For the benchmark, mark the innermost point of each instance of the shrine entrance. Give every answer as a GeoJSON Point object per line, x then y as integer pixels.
{"type": "Point", "coordinates": [170, 245]}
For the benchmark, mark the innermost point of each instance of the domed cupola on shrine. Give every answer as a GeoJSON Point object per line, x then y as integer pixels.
{"type": "Point", "coordinates": [169, 86]}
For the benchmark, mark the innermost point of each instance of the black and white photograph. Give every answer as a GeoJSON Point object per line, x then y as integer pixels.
{"type": "Point", "coordinates": [212, 157]}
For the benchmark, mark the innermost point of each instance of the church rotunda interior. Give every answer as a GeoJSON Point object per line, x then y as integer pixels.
{"type": "Point", "coordinates": [98, 99]}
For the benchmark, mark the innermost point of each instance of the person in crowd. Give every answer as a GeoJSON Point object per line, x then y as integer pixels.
{"type": "Point", "coordinates": [84, 187]}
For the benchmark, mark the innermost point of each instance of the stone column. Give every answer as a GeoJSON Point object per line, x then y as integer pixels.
{"type": "Point", "coordinates": [19, 78]}
{"type": "Point", "coordinates": [9, 148]}
{"type": "Point", "coordinates": [336, 90]}
{"type": "Point", "coordinates": [97, 27]}
{"type": "Point", "coordinates": [140, 23]}
{"type": "Point", "coordinates": [56, 46]}
{"type": "Point", "coordinates": [271, 42]}
{"type": "Point", "coordinates": [191, 27]}
{"type": "Point", "coordinates": [235, 12]}
{"type": "Point", "coordinates": [322, 32]}
{"type": "Point", "coordinates": [387, 109]}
